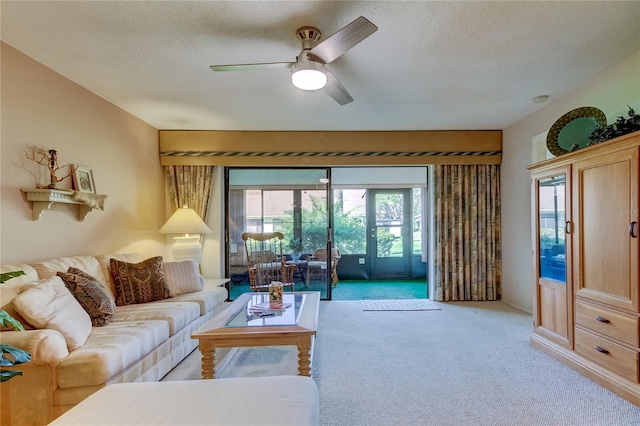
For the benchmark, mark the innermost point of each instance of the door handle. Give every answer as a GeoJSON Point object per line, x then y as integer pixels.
{"type": "Point", "coordinates": [632, 229]}
{"type": "Point", "coordinates": [567, 227]}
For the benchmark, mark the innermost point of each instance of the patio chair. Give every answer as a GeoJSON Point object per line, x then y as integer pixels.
{"type": "Point", "coordinates": [265, 260]}
{"type": "Point", "coordinates": [317, 265]}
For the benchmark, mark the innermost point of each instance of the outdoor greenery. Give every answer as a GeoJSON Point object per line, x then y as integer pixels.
{"type": "Point", "coordinates": [389, 210]}
{"type": "Point", "coordinates": [548, 240]}
{"type": "Point", "coordinates": [350, 226]}
{"type": "Point", "coordinates": [295, 245]}
{"type": "Point", "coordinates": [350, 231]}
{"type": "Point", "coordinates": [386, 243]}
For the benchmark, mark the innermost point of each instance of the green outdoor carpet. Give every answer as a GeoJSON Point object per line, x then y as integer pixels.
{"type": "Point", "coordinates": [360, 289]}
{"type": "Point", "coordinates": [377, 290]}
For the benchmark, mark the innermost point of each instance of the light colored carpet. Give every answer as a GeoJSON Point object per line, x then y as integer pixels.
{"type": "Point", "coordinates": [469, 363]}
{"type": "Point", "coordinates": [241, 362]}
{"type": "Point", "coordinates": [399, 305]}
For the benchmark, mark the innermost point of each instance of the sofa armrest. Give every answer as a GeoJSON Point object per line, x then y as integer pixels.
{"type": "Point", "coordinates": [210, 283]}
{"type": "Point", "coordinates": [46, 346]}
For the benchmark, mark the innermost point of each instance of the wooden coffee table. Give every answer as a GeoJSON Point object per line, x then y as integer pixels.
{"type": "Point", "coordinates": [239, 326]}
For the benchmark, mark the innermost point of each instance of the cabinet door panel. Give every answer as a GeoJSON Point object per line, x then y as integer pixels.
{"type": "Point", "coordinates": [551, 213]}
{"type": "Point", "coordinates": [553, 309]}
{"type": "Point", "coordinates": [606, 205]}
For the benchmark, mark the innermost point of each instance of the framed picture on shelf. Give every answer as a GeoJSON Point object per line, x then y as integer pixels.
{"type": "Point", "coordinates": [83, 179]}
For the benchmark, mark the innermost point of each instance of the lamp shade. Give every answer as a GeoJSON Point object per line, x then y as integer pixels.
{"type": "Point", "coordinates": [185, 221]}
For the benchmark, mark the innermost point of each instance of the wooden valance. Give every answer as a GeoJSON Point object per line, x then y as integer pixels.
{"type": "Point", "coordinates": [334, 148]}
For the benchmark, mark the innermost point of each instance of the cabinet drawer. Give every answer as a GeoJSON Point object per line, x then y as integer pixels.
{"type": "Point", "coordinates": [614, 324]}
{"type": "Point", "coordinates": [616, 358]}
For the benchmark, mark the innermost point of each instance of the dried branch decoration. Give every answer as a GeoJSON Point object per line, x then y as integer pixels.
{"type": "Point", "coordinates": [48, 158]}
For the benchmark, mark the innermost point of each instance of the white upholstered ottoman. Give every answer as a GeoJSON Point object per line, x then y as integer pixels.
{"type": "Point", "coordinates": [282, 400]}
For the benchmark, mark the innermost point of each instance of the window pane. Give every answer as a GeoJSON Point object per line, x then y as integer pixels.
{"type": "Point", "coordinates": [416, 223]}
{"type": "Point", "coordinates": [551, 217]}
{"type": "Point", "coordinates": [350, 230]}
{"type": "Point", "coordinates": [314, 220]}
{"type": "Point", "coordinates": [277, 211]}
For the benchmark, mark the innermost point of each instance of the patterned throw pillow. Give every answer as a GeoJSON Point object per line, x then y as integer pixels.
{"type": "Point", "coordinates": [139, 282]}
{"type": "Point", "coordinates": [90, 294]}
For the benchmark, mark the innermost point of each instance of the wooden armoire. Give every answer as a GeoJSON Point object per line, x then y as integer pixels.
{"type": "Point", "coordinates": [585, 238]}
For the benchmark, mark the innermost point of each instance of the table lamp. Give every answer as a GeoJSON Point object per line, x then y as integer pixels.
{"type": "Point", "coordinates": [186, 221]}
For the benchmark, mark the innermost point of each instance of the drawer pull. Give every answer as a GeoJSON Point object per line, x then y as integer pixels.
{"type": "Point", "coordinates": [602, 351]}
{"type": "Point", "coordinates": [602, 320]}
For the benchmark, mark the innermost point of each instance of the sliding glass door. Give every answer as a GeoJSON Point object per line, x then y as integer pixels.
{"type": "Point", "coordinates": [291, 201]}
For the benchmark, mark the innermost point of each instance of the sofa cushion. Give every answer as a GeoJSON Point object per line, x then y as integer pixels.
{"type": "Point", "coordinates": [11, 288]}
{"type": "Point", "coordinates": [109, 351]}
{"type": "Point", "coordinates": [30, 274]}
{"type": "Point", "coordinates": [177, 314]}
{"type": "Point", "coordinates": [8, 294]}
{"type": "Point", "coordinates": [139, 282]}
{"type": "Point", "coordinates": [90, 294]}
{"type": "Point", "coordinates": [50, 305]}
{"type": "Point", "coordinates": [182, 277]}
{"type": "Point", "coordinates": [88, 264]}
{"type": "Point", "coordinates": [6, 276]}
{"type": "Point", "coordinates": [208, 299]}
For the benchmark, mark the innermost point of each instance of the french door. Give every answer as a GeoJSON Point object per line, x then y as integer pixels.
{"type": "Point", "coordinates": [389, 233]}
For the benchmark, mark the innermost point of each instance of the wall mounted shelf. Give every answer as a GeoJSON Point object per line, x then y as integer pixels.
{"type": "Point", "coordinates": [42, 199]}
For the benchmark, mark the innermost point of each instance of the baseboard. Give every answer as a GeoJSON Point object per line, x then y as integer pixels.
{"type": "Point", "coordinates": [520, 308]}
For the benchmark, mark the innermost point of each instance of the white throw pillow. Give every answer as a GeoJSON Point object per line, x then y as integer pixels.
{"type": "Point", "coordinates": [182, 277]}
{"type": "Point", "coordinates": [50, 305]}
{"type": "Point", "coordinates": [8, 291]}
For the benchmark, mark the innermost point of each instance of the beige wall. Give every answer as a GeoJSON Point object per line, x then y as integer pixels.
{"type": "Point", "coordinates": [40, 107]}
{"type": "Point", "coordinates": [611, 92]}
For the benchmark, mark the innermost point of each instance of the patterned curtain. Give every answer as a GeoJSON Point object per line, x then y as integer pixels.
{"type": "Point", "coordinates": [190, 186]}
{"type": "Point", "coordinates": [467, 232]}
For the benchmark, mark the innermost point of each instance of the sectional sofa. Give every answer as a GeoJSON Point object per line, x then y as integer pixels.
{"type": "Point", "coordinates": [127, 330]}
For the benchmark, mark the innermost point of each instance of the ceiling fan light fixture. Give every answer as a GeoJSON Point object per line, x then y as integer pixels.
{"type": "Point", "coordinates": [308, 76]}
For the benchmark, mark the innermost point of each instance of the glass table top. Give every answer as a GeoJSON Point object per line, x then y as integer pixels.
{"type": "Point", "coordinates": [259, 312]}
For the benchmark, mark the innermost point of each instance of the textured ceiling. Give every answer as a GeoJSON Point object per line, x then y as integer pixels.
{"type": "Point", "coordinates": [430, 66]}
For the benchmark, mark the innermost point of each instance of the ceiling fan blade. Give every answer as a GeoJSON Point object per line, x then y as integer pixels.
{"type": "Point", "coordinates": [343, 40]}
{"type": "Point", "coordinates": [252, 67]}
{"type": "Point", "coordinates": [336, 90]}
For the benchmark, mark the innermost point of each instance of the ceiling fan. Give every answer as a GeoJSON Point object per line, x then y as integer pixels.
{"type": "Point", "coordinates": [309, 71]}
